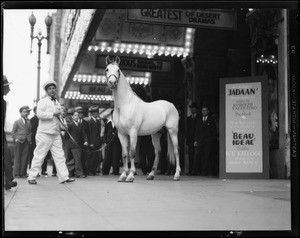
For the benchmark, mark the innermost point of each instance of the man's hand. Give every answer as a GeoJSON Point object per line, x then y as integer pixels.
{"type": "Point", "coordinates": [195, 144]}
{"type": "Point", "coordinates": [92, 145]}
{"type": "Point", "coordinates": [85, 143]}
{"type": "Point", "coordinates": [57, 112]}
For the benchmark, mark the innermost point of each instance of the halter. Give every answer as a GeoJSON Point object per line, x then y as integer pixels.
{"type": "Point", "coordinates": [116, 77]}
{"type": "Point", "coordinates": [115, 61]}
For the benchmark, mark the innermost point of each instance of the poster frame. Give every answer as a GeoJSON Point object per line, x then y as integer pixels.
{"type": "Point", "coordinates": [265, 174]}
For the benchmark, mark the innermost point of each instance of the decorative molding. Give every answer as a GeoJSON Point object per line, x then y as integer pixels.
{"type": "Point", "coordinates": [75, 42]}
{"type": "Point", "coordinates": [264, 30]}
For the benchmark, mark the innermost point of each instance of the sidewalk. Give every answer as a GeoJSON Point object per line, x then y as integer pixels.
{"type": "Point", "coordinates": [98, 203]}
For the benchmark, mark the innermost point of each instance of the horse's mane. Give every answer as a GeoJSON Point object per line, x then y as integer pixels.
{"type": "Point", "coordinates": [134, 93]}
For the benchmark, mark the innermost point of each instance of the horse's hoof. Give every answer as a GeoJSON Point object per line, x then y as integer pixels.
{"type": "Point", "coordinates": [176, 178]}
{"type": "Point", "coordinates": [150, 177]}
{"type": "Point", "coordinates": [129, 179]}
{"type": "Point", "coordinates": [122, 179]}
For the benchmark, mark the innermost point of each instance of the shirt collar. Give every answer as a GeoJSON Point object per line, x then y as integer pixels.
{"type": "Point", "coordinates": [51, 98]}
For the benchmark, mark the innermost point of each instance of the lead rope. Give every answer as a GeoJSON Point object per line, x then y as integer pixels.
{"type": "Point", "coordinates": [90, 151]}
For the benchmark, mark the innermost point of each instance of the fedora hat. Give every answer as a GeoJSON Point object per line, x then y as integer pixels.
{"type": "Point", "coordinates": [79, 109]}
{"type": "Point", "coordinates": [70, 111]}
{"type": "Point", "coordinates": [194, 104]}
{"type": "Point", "coordinates": [94, 109]}
{"type": "Point", "coordinates": [49, 83]}
{"type": "Point", "coordinates": [5, 81]}
{"type": "Point", "coordinates": [25, 108]}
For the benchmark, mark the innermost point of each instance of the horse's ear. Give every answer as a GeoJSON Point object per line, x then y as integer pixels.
{"type": "Point", "coordinates": [107, 60]}
{"type": "Point", "coordinates": [117, 60]}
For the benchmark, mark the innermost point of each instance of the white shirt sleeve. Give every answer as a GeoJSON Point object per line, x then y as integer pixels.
{"type": "Point", "coordinates": [44, 112]}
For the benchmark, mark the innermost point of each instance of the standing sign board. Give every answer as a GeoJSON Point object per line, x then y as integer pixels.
{"type": "Point", "coordinates": [244, 141]}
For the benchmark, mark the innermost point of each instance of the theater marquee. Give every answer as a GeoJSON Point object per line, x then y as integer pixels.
{"type": "Point", "coordinates": [224, 19]}
{"type": "Point", "coordinates": [244, 128]}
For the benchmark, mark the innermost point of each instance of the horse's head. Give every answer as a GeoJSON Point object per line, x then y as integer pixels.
{"type": "Point", "coordinates": [112, 72]}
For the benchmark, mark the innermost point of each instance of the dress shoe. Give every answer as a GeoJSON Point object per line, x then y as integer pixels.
{"type": "Point", "coordinates": [80, 176]}
{"type": "Point", "coordinates": [69, 180]}
{"type": "Point", "coordinates": [53, 175]}
{"type": "Point", "coordinates": [117, 174]}
{"type": "Point", "coordinates": [32, 181]}
{"type": "Point", "coordinates": [13, 183]}
{"type": "Point", "coordinates": [8, 185]}
{"type": "Point", "coordinates": [44, 173]}
{"type": "Point", "coordinates": [23, 176]}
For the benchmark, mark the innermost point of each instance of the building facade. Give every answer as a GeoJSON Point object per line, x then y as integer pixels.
{"type": "Point", "coordinates": [180, 63]}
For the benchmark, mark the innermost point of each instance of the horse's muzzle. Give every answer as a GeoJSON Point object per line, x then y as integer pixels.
{"type": "Point", "coordinates": [112, 81]}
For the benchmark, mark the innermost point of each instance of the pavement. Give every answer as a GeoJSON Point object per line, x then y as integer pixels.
{"type": "Point", "coordinates": [195, 203]}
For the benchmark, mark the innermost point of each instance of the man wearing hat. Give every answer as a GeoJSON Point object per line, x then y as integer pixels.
{"type": "Point", "coordinates": [21, 134]}
{"type": "Point", "coordinates": [8, 169]}
{"type": "Point", "coordinates": [191, 127]}
{"type": "Point", "coordinates": [205, 137]}
{"type": "Point", "coordinates": [48, 136]}
{"type": "Point", "coordinates": [94, 142]}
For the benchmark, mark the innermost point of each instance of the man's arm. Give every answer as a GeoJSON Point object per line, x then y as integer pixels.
{"type": "Point", "coordinates": [43, 111]}
{"type": "Point", "coordinates": [14, 130]}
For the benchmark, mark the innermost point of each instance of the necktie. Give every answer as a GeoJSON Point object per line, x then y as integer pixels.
{"type": "Point", "coordinates": [53, 98]}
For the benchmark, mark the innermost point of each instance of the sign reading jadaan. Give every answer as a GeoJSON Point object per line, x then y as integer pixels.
{"type": "Point", "coordinates": [225, 19]}
{"type": "Point", "coordinates": [243, 116]}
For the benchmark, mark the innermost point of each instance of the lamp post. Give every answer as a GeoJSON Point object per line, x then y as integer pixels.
{"type": "Point", "coordinates": [39, 37]}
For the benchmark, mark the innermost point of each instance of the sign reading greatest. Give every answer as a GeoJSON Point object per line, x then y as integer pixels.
{"type": "Point", "coordinates": [138, 64]}
{"type": "Point", "coordinates": [225, 19]}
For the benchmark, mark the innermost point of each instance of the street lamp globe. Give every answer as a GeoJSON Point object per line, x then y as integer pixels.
{"type": "Point", "coordinates": [32, 19]}
{"type": "Point", "coordinates": [48, 20]}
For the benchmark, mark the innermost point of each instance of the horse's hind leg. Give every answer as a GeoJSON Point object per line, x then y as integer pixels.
{"type": "Point", "coordinates": [124, 144]}
{"type": "Point", "coordinates": [174, 140]}
{"type": "Point", "coordinates": [157, 149]}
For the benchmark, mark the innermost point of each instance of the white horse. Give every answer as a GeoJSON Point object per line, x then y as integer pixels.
{"type": "Point", "coordinates": [133, 117]}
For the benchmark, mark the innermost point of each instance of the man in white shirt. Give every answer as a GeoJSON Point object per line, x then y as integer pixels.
{"type": "Point", "coordinates": [48, 136]}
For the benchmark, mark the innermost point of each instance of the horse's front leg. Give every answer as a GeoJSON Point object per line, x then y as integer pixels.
{"type": "Point", "coordinates": [133, 140]}
{"type": "Point", "coordinates": [157, 149]}
{"type": "Point", "coordinates": [124, 143]}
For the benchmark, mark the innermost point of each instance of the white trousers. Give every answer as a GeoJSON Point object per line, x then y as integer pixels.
{"type": "Point", "coordinates": [44, 143]}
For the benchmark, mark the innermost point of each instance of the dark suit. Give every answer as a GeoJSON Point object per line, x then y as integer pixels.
{"type": "Point", "coordinates": [8, 170]}
{"type": "Point", "coordinates": [113, 152]}
{"type": "Point", "coordinates": [147, 154]}
{"type": "Point", "coordinates": [205, 136]}
{"type": "Point", "coordinates": [22, 132]}
{"type": "Point", "coordinates": [79, 137]}
{"type": "Point", "coordinates": [191, 128]}
{"type": "Point", "coordinates": [93, 160]}
{"type": "Point", "coordinates": [84, 154]}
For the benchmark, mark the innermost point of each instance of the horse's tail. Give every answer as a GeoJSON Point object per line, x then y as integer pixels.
{"type": "Point", "coordinates": [171, 154]}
